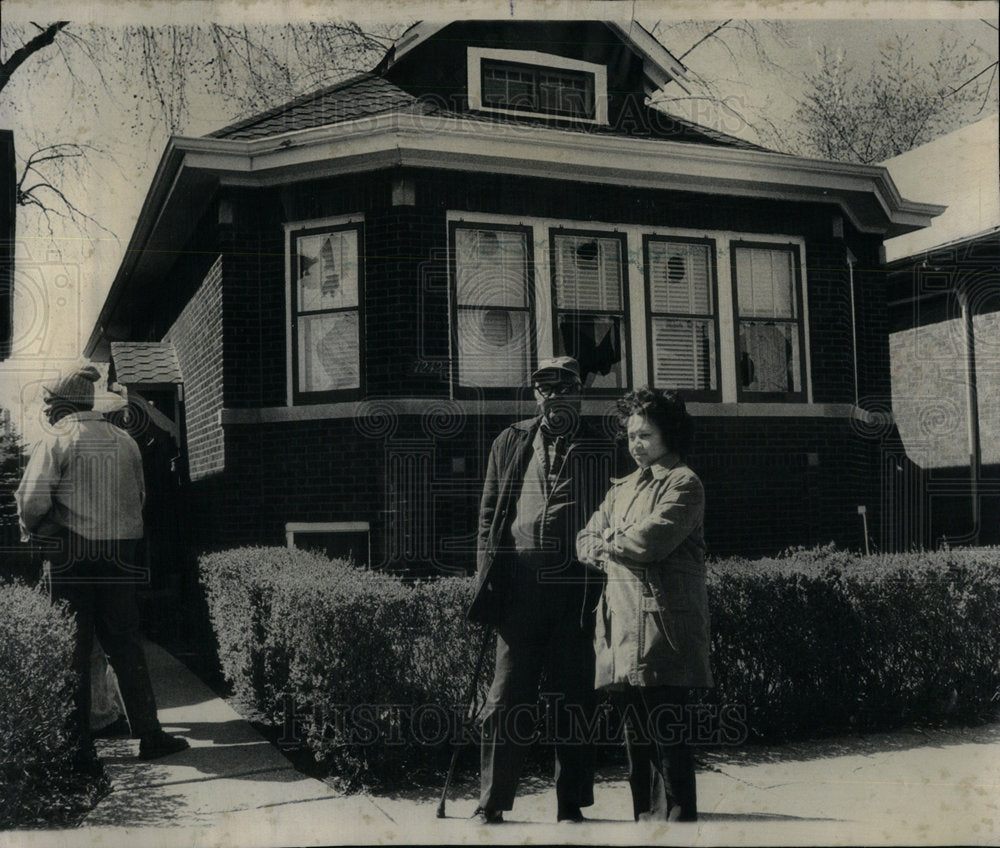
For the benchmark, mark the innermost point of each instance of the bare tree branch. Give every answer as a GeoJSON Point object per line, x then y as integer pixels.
{"type": "Point", "coordinates": [172, 70]}
{"type": "Point", "coordinates": [704, 38]}
{"type": "Point", "coordinates": [989, 88]}
{"type": "Point", "coordinates": [22, 54]}
{"type": "Point", "coordinates": [973, 79]}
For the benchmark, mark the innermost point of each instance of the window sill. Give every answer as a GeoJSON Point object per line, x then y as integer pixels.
{"type": "Point", "coordinates": [522, 408]}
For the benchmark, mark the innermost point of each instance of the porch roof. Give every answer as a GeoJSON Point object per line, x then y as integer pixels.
{"type": "Point", "coordinates": [147, 363]}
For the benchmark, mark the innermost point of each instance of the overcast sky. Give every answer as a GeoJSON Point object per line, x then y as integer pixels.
{"type": "Point", "coordinates": [113, 193]}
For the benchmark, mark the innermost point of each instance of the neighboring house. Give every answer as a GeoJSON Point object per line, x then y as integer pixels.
{"type": "Point", "coordinates": [355, 287]}
{"type": "Point", "coordinates": [944, 311]}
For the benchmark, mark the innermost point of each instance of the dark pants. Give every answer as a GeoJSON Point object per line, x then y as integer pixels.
{"type": "Point", "coordinates": [98, 582]}
{"type": "Point", "coordinates": [540, 631]}
{"type": "Point", "coordinates": [660, 760]}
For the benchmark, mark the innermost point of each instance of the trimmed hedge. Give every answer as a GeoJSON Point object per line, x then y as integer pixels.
{"type": "Point", "coordinates": [371, 670]}
{"type": "Point", "coordinates": [820, 641]}
{"type": "Point", "coordinates": [357, 664]}
{"type": "Point", "coordinates": [36, 648]}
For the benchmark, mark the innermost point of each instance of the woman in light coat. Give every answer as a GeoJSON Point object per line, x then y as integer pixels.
{"type": "Point", "coordinates": [652, 634]}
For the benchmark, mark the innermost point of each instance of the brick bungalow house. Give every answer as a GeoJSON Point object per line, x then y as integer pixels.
{"type": "Point", "coordinates": [338, 302]}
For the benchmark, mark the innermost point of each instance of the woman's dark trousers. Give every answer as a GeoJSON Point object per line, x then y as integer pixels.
{"type": "Point", "coordinates": [660, 759]}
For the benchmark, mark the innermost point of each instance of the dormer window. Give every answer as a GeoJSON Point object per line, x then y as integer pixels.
{"type": "Point", "coordinates": [524, 82]}
{"type": "Point", "coordinates": [528, 88]}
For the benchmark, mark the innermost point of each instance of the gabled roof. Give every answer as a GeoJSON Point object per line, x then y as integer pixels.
{"type": "Point", "coordinates": [659, 64]}
{"type": "Point", "coordinates": [145, 362]}
{"type": "Point", "coordinates": [368, 123]}
{"type": "Point", "coordinates": [371, 94]}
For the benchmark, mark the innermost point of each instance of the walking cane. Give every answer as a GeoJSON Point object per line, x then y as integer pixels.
{"type": "Point", "coordinates": [470, 699]}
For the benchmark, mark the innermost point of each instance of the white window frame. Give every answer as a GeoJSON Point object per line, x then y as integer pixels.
{"type": "Point", "coordinates": [290, 282]}
{"type": "Point", "coordinates": [475, 56]}
{"type": "Point", "coordinates": [293, 527]}
{"type": "Point", "coordinates": [765, 242]}
{"type": "Point", "coordinates": [455, 308]}
{"type": "Point", "coordinates": [711, 395]}
{"type": "Point", "coordinates": [638, 342]}
{"type": "Point", "coordinates": [621, 238]}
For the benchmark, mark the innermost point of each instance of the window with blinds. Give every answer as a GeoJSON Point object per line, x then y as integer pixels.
{"type": "Point", "coordinates": [326, 312]}
{"type": "Point", "coordinates": [588, 294]}
{"type": "Point", "coordinates": [770, 332]}
{"type": "Point", "coordinates": [494, 321]}
{"type": "Point", "coordinates": [680, 281]}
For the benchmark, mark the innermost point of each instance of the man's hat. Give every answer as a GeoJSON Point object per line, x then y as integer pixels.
{"type": "Point", "coordinates": [558, 366]}
{"type": "Point", "coordinates": [76, 387]}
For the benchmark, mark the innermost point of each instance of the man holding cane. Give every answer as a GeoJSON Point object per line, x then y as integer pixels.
{"type": "Point", "coordinates": [530, 586]}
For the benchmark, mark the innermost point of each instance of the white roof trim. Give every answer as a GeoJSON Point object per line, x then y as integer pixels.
{"type": "Point", "coordinates": [659, 64]}
{"type": "Point", "coordinates": [468, 143]}
{"type": "Point", "coordinates": [191, 167]}
{"type": "Point", "coordinates": [416, 34]}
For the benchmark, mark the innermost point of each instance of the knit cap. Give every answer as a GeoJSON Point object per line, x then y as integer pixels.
{"type": "Point", "coordinates": [76, 387]}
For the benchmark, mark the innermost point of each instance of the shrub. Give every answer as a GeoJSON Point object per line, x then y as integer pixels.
{"type": "Point", "coordinates": [36, 647]}
{"type": "Point", "coordinates": [239, 585]}
{"type": "Point", "coordinates": [374, 669]}
{"type": "Point", "coordinates": [368, 666]}
{"type": "Point", "coordinates": [821, 641]}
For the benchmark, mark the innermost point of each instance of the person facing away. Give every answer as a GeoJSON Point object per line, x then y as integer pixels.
{"type": "Point", "coordinates": [652, 626]}
{"type": "Point", "coordinates": [82, 494]}
{"type": "Point", "coordinates": [531, 587]}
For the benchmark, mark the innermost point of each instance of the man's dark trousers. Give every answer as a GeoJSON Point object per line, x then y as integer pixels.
{"type": "Point", "coordinates": [540, 631]}
{"type": "Point", "coordinates": [98, 582]}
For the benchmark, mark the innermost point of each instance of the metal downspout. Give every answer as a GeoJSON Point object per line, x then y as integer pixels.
{"type": "Point", "coordinates": [971, 407]}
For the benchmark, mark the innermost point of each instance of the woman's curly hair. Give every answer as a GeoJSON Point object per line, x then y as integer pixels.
{"type": "Point", "coordinates": [666, 410]}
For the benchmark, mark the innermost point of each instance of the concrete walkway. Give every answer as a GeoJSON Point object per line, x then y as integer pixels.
{"type": "Point", "coordinates": [234, 789]}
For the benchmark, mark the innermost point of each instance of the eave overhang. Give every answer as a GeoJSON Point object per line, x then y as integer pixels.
{"type": "Point", "coordinates": [192, 169]}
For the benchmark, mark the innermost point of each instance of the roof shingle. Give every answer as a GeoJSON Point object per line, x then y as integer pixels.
{"type": "Point", "coordinates": [369, 94]}
{"type": "Point", "coordinates": [145, 362]}
{"type": "Point", "coordinates": [356, 97]}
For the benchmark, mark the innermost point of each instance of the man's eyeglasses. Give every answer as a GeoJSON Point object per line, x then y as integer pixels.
{"type": "Point", "coordinates": [556, 389]}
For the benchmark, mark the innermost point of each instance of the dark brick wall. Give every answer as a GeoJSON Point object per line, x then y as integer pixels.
{"type": "Point", "coordinates": [405, 295]}
{"type": "Point", "coordinates": [771, 483]}
{"type": "Point", "coordinates": [831, 341]}
{"type": "Point", "coordinates": [776, 482]}
{"type": "Point", "coordinates": [873, 336]}
{"type": "Point", "coordinates": [197, 338]}
{"type": "Point", "coordinates": [253, 301]}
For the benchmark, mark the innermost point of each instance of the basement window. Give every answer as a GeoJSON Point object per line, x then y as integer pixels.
{"type": "Point", "coordinates": [346, 540]}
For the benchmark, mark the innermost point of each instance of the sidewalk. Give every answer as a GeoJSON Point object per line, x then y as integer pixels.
{"type": "Point", "coordinates": [234, 789]}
